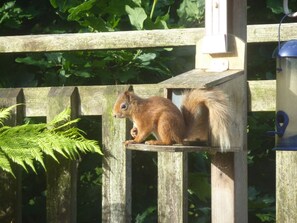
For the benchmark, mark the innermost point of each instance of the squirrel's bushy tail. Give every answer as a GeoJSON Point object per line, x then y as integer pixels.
{"type": "Point", "coordinates": [207, 111]}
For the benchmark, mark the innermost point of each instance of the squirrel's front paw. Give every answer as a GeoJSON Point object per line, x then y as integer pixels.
{"type": "Point", "coordinates": [152, 142]}
{"type": "Point", "coordinates": [127, 142]}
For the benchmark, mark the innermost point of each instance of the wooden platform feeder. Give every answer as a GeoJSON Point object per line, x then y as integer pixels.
{"type": "Point", "coordinates": [221, 63]}
{"type": "Point", "coordinates": [228, 170]}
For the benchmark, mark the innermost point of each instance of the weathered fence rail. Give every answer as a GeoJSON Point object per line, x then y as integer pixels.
{"type": "Point", "coordinates": [133, 39]}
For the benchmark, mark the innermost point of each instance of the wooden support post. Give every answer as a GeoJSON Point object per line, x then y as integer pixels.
{"type": "Point", "coordinates": [61, 177]}
{"type": "Point", "coordinates": [229, 170]}
{"type": "Point", "coordinates": [172, 187]}
{"type": "Point", "coordinates": [286, 186]}
{"type": "Point", "coordinates": [229, 188]}
{"type": "Point", "coordinates": [10, 187]}
{"type": "Point", "coordinates": [116, 180]}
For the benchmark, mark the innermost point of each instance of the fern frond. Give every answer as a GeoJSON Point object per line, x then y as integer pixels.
{"type": "Point", "coordinates": [27, 143]}
{"type": "Point", "coordinates": [5, 164]}
{"type": "Point", "coordinates": [5, 113]}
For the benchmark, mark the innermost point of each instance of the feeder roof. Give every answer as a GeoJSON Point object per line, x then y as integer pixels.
{"type": "Point", "coordinates": [287, 49]}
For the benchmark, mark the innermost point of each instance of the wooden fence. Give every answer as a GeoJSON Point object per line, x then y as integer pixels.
{"type": "Point", "coordinates": [98, 100]}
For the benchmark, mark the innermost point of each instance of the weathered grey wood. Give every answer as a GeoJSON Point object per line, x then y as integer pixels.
{"type": "Point", "coordinates": [133, 39]}
{"type": "Point", "coordinates": [36, 101]}
{"type": "Point", "coordinates": [269, 32]}
{"type": "Point", "coordinates": [116, 180]}
{"type": "Point", "coordinates": [148, 90]}
{"type": "Point", "coordinates": [229, 172]}
{"type": "Point", "coordinates": [103, 40]}
{"type": "Point", "coordinates": [286, 186]}
{"type": "Point", "coordinates": [91, 100]}
{"type": "Point", "coordinates": [199, 78]}
{"type": "Point", "coordinates": [222, 188]}
{"type": "Point", "coordinates": [172, 187]}
{"type": "Point", "coordinates": [261, 95]}
{"type": "Point", "coordinates": [61, 177]}
{"type": "Point", "coordinates": [10, 187]}
{"type": "Point", "coordinates": [176, 148]}
{"type": "Point", "coordinates": [236, 49]}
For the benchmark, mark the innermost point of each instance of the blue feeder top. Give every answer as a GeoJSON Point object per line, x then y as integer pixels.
{"type": "Point", "coordinates": [287, 49]}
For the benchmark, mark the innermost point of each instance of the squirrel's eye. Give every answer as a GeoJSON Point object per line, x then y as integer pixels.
{"type": "Point", "coordinates": [124, 106]}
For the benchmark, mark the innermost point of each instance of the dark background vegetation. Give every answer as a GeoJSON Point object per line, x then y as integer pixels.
{"type": "Point", "coordinates": [21, 17]}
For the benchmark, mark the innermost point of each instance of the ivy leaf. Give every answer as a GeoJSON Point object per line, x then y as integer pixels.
{"type": "Point", "coordinates": [143, 217]}
{"type": "Point", "coordinates": [275, 6]}
{"type": "Point", "coordinates": [83, 74]}
{"type": "Point", "coordinates": [62, 5]}
{"type": "Point", "coordinates": [137, 16]}
{"type": "Point", "coordinates": [146, 58]}
{"type": "Point", "coordinates": [54, 3]}
{"type": "Point", "coordinates": [36, 62]}
{"type": "Point", "coordinates": [191, 11]}
{"type": "Point", "coordinates": [75, 13]}
{"type": "Point", "coordinates": [161, 21]}
{"type": "Point", "coordinates": [266, 217]}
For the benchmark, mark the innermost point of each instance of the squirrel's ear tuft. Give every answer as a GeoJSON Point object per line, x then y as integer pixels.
{"type": "Point", "coordinates": [129, 94]}
{"type": "Point", "coordinates": [130, 88]}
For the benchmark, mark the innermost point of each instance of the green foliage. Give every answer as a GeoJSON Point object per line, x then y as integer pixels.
{"type": "Point", "coordinates": [261, 163]}
{"type": "Point", "coordinates": [27, 143]}
{"type": "Point", "coordinates": [276, 6]}
{"type": "Point", "coordinates": [263, 205]}
{"type": "Point", "coordinates": [13, 16]}
{"type": "Point", "coordinates": [137, 16]}
{"type": "Point", "coordinates": [147, 216]}
{"type": "Point", "coordinates": [100, 67]}
{"type": "Point", "coordinates": [191, 12]}
{"type": "Point", "coordinates": [88, 68]}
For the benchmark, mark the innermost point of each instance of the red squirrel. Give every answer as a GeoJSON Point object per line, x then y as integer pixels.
{"type": "Point", "coordinates": [203, 111]}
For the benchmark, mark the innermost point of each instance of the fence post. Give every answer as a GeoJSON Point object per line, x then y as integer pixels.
{"type": "Point", "coordinates": [61, 177]}
{"type": "Point", "coordinates": [172, 187]}
{"type": "Point", "coordinates": [286, 186]}
{"type": "Point", "coordinates": [10, 187]}
{"type": "Point", "coordinates": [116, 179]}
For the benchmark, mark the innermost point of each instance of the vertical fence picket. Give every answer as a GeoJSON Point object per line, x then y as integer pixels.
{"type": "Point", "coordinates": [62, 177]}
{"type": "Point", "coordinates": [286, 186]}
{"type": "Point", "coordinates": [116, 180]}
{"type": "Point", "coordinates": [10, 187]}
